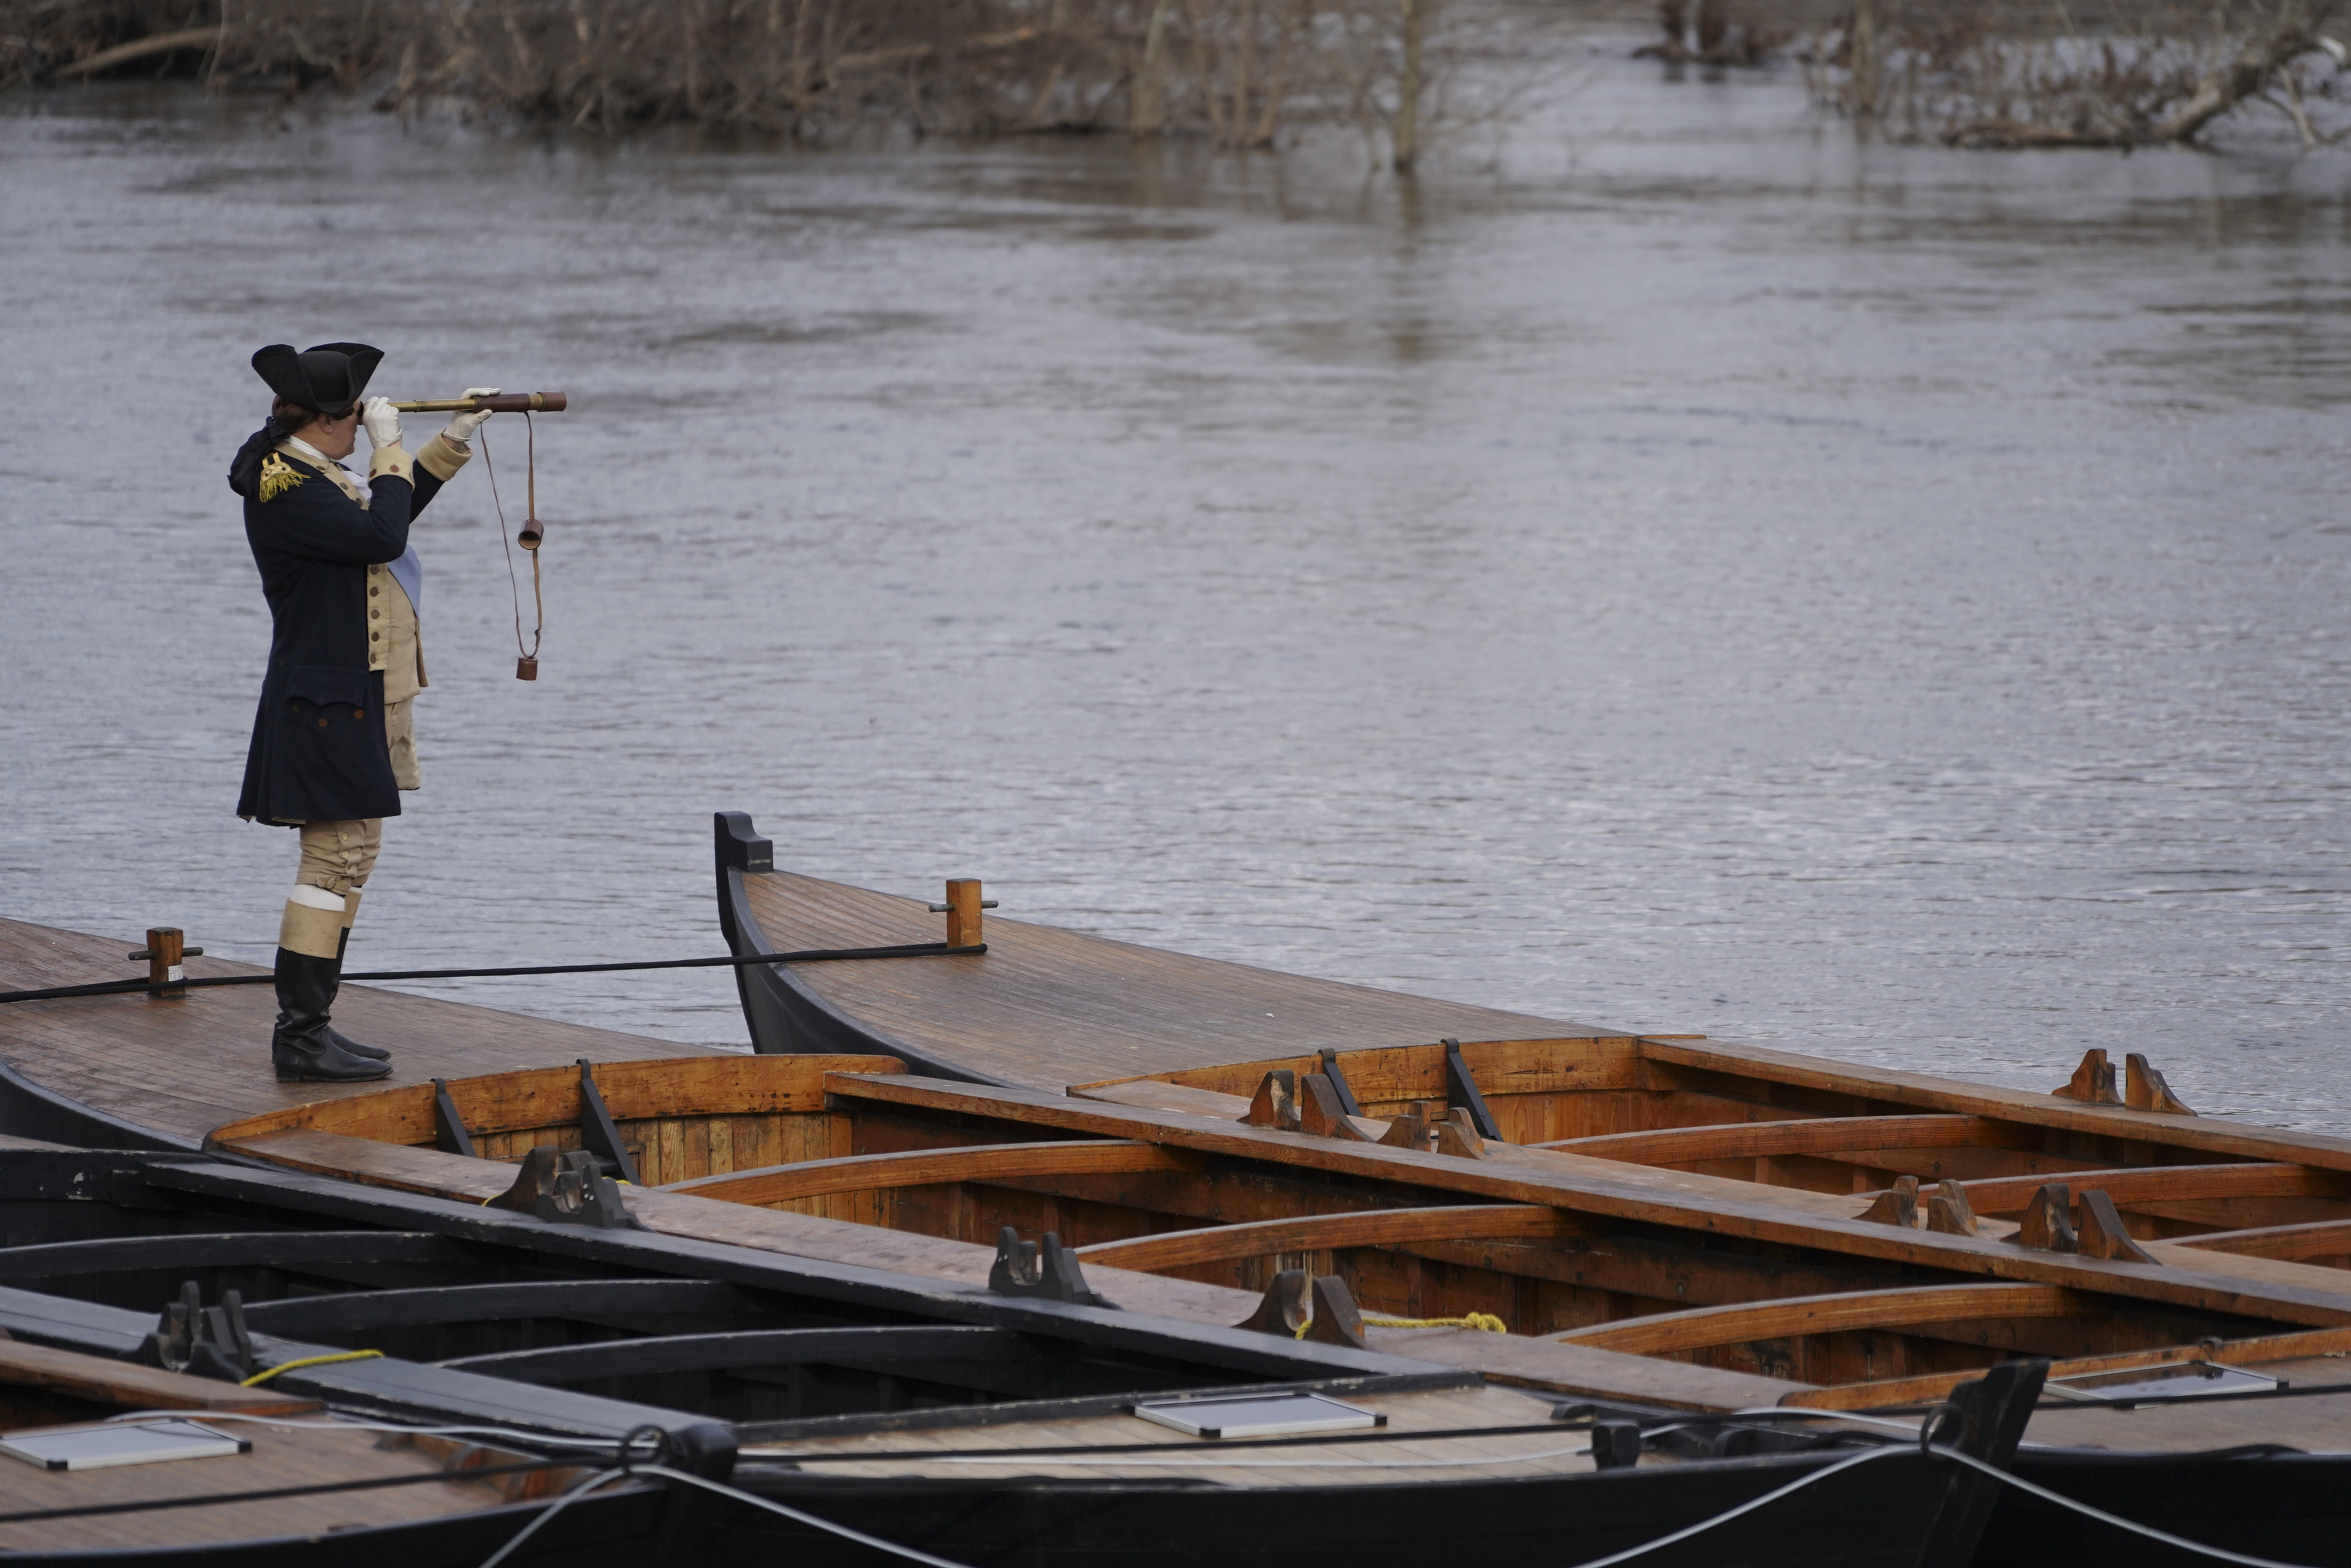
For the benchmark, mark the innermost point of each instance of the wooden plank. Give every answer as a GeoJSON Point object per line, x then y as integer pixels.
{"type": "Point", "coordinates": [1684, 1200]}
{"type": "Point", "coordinates": [1561, 1368]}
{"type": "Point", "coordinates": [1918, 1089]}
{"type": "Point", "coordinates": [134, 1387]}
{"type": "Point", "coordinates": [1049, 1008]}
{"type": "Point", "coordinates": [1322, 1232]}
{"type": "Point", "coordinates": [545, 1097]}
{"type": "Point", "coordinates": [1817, 1136]}
{"type": "Point", "coordinates": [281, 1457]}
{"type": "Point", "coordinates": [400, 1165]}
{"type": "Point", "coordinates": [922, 1168]}
{"type": "Point", "coordinates": [2321, 1239]}
{"type": "Point", "coordinates": [2132, 1186]}
{"type": "Point", "coordinates": [1164, 1096]}
{"type": "Point", "coordinates": [2247, 1353]}
{"type": "Point", "coordinates": [183, 1067]}
{"type": "Point", "coordinates": [1700, 1328]}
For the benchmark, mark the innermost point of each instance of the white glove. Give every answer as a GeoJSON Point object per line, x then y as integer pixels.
{"type": "Point", "coordinates": [382, 422]}
{"type": "Point", "coordinates": [461, 426]}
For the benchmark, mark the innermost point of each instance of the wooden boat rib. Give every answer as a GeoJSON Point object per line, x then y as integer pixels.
{"type": "Point", "coordinates": [1749, 1292]}
{"type": "Point", "coordinates": [1017, 1480]}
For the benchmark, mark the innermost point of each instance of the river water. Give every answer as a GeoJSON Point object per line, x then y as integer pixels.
{"type": "Point", "coordinates": [1676, 568]}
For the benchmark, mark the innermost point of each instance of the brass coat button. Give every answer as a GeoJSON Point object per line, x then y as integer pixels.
{"type": "Point", "coordinates": [322, 724]}
{"type": "Point", "coordinates": [358, 713]}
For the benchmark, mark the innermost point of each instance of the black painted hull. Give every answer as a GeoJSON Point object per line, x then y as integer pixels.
{"type": "Point", "coordinates": [623, 1530]}
{"type": "Point", "coordinates": [1877, 1515]}
{"type": "Point", "coordinates": [2288, 1508]}
{"type": "Point", "coordinates": [784, 1016]}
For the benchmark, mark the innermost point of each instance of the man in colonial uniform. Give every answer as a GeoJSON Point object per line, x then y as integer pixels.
{"type": "Point", "coordinates": [334, 741]}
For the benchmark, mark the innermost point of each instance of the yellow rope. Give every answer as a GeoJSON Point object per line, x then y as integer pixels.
{"type": "Point", "coordinates": [261, 1377]}
{"type": "Point", "coordinates": [1484, 1321]}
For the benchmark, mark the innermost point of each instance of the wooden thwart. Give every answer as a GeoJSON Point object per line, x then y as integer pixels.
{"type": "Point", "coordinates": [2320, 1239]}
{"type": "Point", "coordinates": [1896, 1391]}
{"type": "Point", "coordinates": [133, 1387]}
{"type": "Point", "coordinates": [2158, 1184]}
{"type": "Point", "coordinates": [1813, 1136]}
{"type": "Point", "coordinates": [922, 1168]}
{"type": "Point", "coordinates": [1324, 1232]}
{"type": "Point", "coordinates": [1666, 1334]}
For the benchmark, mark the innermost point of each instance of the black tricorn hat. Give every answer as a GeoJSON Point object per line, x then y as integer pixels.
{"type": "Point", "coordinates": [328, 378]}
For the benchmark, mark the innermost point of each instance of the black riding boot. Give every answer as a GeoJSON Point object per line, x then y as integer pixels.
{"type": "Point", "coordinates": [372, 1052]}
{"type": "Point", "coordinates": [302, 1048]}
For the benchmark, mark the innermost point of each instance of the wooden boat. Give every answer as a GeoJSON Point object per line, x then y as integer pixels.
{"type": "Point", "coordinates": [1630, 1284]}
{"type": "Point", "coordinates": [323, 1479]}
{"type": "Point", "coordinates": [887, 1442]}
{"type": "Point", "coordinates": [1771, 1257]}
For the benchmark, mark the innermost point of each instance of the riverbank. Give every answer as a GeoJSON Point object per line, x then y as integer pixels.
{"type": "Point", "coordinates": [1403, 75]}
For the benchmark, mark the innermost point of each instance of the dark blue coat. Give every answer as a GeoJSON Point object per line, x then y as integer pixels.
{"type": "Point", "coordinates": [318, 750]}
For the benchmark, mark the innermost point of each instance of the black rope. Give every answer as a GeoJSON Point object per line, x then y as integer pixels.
{"type": "Point", "coordinates": [814, 955]}
{"type": "Point", "coordinates": [371, 1484]}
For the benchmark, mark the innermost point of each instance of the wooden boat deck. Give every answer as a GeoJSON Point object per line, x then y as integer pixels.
{"type": "Point", "coordinates": [281, 1457]}
{"type": "Point", "coordinates": [1044, 1008]}
{"type": "Point", "coordinates": [1498, 1447]}
{"type": "Point", "coordinates": [176, 1069]}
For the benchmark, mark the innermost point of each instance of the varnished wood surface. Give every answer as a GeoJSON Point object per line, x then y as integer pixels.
{"type": "Point", "coordinates": [134, 1387]}
{"type": "Point", "coordinates": [282, 1457]}
{"type": "Point", "coordinates": [183, 1067]}
{"type": "Point", "coordinates": [865, 1172]}
{"type": "Point", "coordinates": [1306, 1233]}
{"type": "Point", "coordinates": [1049, 1008]}
{"type": "Point", "coordinates": [1567, 1369]}
{"type": "Point", "coordinates": [1395, 1456]}
{"type": "Point", "coordinates": [2289, 1294]}
{"type": "Point", "coordinates": [1669, 1333]}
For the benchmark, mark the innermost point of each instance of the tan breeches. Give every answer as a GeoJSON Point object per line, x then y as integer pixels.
{"type": "Point", "coordinates": [399, 735]}
{"type": "Point", "coordinates": [336, 858]}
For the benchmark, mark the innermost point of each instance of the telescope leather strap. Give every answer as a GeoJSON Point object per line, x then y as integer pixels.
{"type": "Point", "coordinates": [526, 659]}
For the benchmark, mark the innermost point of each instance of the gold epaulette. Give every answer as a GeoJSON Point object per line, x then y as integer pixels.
{"type": "Point", "coordinates": [277, 476]}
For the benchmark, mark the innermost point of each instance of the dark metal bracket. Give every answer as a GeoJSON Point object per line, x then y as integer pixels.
{"type": "Point", "coordinates": [565, 1187]}
{"type": "Point", "coordinates": [598, 1134]}
{"type": "Point", "coordinates": [1461, 1091]}
{"type": "Point", "coordinates": [1338, 1081]}
{"type": "Point", "coordinates": [449, 1134]}
{"type": "Point", "coordinates": [1042, 1268]}
{"type": "Point", "coordinates": [207, 1342]}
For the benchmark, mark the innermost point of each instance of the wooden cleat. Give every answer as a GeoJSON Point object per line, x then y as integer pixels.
{"type": "Point", "coordinates": [1458, 1135]}
{"type": "Point", "coordinates": [1275, 1105]}
{"type": "Point", "coordinates": [1409, 1131]}
{"type": "Point", "coordinates": [1897, 1204]}
{"type": "Point", "coordinates": [2047, 1224]}
{"type": "Point", "coordinates": [1337, 1321]}
{"type": "Point", "coordinates": [2103, 1235]}
{"type": "Point", "coordinates": [2093, 1082]}
{"type": "Point", "coordinates": [2145, 1090]}
{"type": "Point", "coordinates": [1284, 1311]}
{"type": "Point", "coordinates": [1949, 1213]}
{"type": "Point", "coordinates": [1321, 1113]}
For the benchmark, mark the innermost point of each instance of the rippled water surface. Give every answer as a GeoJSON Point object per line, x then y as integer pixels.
{"type": "Point", "coordinates": [1673, 570]}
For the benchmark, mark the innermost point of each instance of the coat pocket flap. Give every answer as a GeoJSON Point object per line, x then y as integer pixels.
{"type": "Point", "coordinates": [325, 685]}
